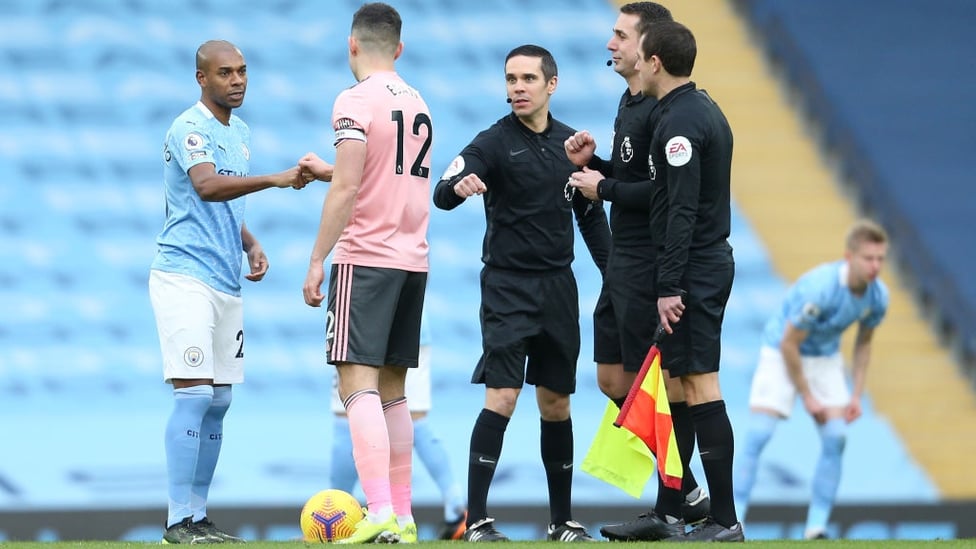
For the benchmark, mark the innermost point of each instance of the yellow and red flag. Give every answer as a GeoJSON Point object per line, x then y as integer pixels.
{"type": "Point", "coordinates": [647, 414]}
{"type": "Point", "coordinates": [617, 457]}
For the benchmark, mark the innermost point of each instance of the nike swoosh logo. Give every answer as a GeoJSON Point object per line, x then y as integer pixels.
{"type": "Point", "coordinates": [513, 154]}
{"type": "Point", "coordinates": [567, 466]}
{"type": "Point", "coordinates": [481, 459]}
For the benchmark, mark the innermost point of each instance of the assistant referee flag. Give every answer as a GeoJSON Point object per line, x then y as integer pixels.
{"type": "Point", "coordinates": [647, 414]}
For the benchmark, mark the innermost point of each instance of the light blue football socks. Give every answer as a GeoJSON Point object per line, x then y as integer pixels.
{"type": "Point", "coordinates": [761, 429]}
{"type": "Point", "coordinates": [182, 443]}
{"type": "Point", "coordinates": [434, 456]}
{"type": "Point", "coordinates": [826, 477]}
{"type": "Point", "coordinates": [342, 473]}
{"type": "Point", "coordinates": [211, 437]}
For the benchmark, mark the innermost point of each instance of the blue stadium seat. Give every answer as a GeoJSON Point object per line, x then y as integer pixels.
{"type": "Point", "coordinates": [897, 141]}
{"type": "Point", "coordinates": [83, 124]}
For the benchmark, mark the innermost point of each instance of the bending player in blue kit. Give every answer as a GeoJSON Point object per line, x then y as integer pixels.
{"type": "Point", "coordinates": [800, 355]}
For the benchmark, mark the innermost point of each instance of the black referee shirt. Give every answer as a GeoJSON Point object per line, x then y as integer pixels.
{"type": "Point", "coordinates": [690, 167]}
{"type": "Point", "coordinates": [528, 206]}
{"type": "Point", "coordinates": [626, 185]}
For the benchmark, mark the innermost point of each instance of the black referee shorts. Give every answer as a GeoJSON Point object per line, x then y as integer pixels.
{"type": "Point", "coordinates": [529, 330]}
{"type": "Point", "coordinates": [695, 347]}
{"type": "Point", "coordinates": [625, 315]}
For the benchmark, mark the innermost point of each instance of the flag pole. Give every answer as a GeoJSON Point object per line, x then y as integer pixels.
{"type": "Point", "coordinates": [641, 374]}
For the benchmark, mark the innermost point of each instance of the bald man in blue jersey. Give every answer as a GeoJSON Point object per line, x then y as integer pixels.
{"type": "Point", "coordinates": [800, 356]}
{"type": "Point", "coordinates": [194, 281]}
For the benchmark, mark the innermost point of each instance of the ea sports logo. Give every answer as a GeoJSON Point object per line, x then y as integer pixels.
{"type": "Point", "coordinates": [678, 151]}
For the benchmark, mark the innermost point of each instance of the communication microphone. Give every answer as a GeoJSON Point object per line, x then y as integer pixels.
{"type": "Point", "coordinates": [508, 99]}
{"type": "Point", "coordinates": [609, 62]}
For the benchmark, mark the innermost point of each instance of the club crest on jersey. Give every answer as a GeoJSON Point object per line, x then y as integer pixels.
{"type": "Point", "coordinates": [811, 311]}
{"type": "Point", "coordinates": [245, 151]}
{"type": "Point", "coordinates": [651, 170]}
{"type": "Point", "coordinates": [626, 150]}
{"type": "Point", "coordinates": [193, 357]}
{"type": "Point", "coordinates": [678, 151]}
{"type": "Point", "coordinates": [193, 141]}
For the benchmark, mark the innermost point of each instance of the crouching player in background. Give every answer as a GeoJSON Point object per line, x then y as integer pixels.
{"type": "Point", "coordinates": [800, 355]}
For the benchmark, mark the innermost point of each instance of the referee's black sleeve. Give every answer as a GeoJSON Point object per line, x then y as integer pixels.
{"type": "Point", "coordinates": [630, 194]}
{"type": "Point", "coordinates": [444, 197]}
{"type": "Point", "coordinates": [600, 165]}
{"type": "Point", "coordinates": [471, 160]}
{"type": "Point", "coordinates": [592, 221]}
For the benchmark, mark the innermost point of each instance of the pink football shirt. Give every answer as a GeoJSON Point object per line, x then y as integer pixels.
{"type": "Point", "coordinates": [389, 221]}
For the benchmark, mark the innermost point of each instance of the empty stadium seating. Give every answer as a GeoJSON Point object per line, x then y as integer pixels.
{"type": "Point", "coordinates": [89, 89]}
{"type": "Point", "coordinates": [900, 140]}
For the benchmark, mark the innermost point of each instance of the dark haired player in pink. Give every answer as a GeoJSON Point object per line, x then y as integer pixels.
{"type": "Point", "coordinates": [374, 222]}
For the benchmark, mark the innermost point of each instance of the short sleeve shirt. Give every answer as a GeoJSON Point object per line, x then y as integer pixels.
{"type": "Point", "coordinates": [388, 227]}
{"type": "Point", "coordinates": [821, 304]}
{"type": "Point", "coordinates": [202, 239]}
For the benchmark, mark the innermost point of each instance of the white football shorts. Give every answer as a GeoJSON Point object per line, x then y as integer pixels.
{"type": "Point", "coordinates": [201, 330]}
{"type": "Point", "coordinates": [417, 386]}
{"type": "Point", "coordinates": [772, 388]}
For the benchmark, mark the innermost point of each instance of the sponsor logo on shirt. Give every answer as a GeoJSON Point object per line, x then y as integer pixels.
{"type": "Point", "coordinates": [678, 151]}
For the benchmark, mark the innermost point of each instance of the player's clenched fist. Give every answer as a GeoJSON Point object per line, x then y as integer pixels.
{"type": "Point", "coordinates": [580, 147]}
{"type": "Point", "coordinates": [312, 165]}
{"type": "Point", "coordinates": [469, 185]}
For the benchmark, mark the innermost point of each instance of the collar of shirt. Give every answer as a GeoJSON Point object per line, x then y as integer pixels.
{"type": "Point", "coordinates": [630, 99]}
{"type": "Point", "coordinates": [527, 131]}
{"type": "Point", "coordinates": [676, 93]}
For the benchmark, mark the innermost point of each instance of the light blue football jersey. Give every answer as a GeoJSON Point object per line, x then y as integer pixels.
{"type": "Point", "coordinates": [821, 304]}
{"type": "Point", "coordinates": [203, 239]}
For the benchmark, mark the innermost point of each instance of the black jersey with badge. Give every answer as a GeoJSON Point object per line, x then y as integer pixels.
{"type": "Point", "coordinates": [528, 204]}
{"type": "Point", "coordinates": [690, 166]}
{"type": "Point", "coordinates": [626, 185]}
